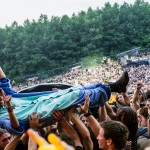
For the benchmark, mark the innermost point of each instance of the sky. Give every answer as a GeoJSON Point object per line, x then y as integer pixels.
{"type": "Point", "coordinates": [20, 10]}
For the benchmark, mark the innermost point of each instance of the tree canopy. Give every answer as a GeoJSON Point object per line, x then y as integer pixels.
{"type": "Point", "coordinates": [45, 44]}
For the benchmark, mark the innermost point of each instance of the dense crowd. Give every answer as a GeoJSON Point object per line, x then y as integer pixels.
{"type": "Point", "coordinates": [103, 73]}
{"type": "Point", "coordinates": [85, 127]}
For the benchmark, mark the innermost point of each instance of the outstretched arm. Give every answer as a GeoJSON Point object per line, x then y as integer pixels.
{"type": "Point", "coordinates": [82, 129]}
{"type": "Point", "coordinates": [136, 94]}
{"type": "Point", "coordinates": [12, 145]}
{"type": "Point", "coordinates": [94, 124]}
{"type": "Point", "coordinates": [102, 113]}
{"type": "Point", "coordinates": [70, 131]}
{"type": "Point", "coordinates": [67, 127]}
{"type": "Point", "coordinates": [13, 119]}
{"type": "Point", "coordinates": [126, 98]}
{"type": "Point", "coordinates": [110, 111]}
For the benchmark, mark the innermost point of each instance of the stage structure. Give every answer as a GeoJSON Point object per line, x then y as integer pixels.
{"type": "Point", "coordinates": [125, 56]}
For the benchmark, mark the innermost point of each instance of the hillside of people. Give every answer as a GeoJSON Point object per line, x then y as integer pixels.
{"type": "Point", "coordinates": [108, 71]}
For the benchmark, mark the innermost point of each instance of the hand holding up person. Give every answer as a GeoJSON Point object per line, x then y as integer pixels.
{"type": "Point", "coordinates": [57, 115]}
{"type": "Point", "coordinates": [7, 101]}
{"type": "Point", "coordinates": [34, 121]}
{"type": "Point", "coordinates": [82, 129]}
{"type": "Point", "coordinates": [85, 107]}
{"type": "Point", "coordinates": [94, 124]}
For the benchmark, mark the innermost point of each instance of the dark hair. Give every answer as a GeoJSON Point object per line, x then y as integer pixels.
{"type": "Point", "coordinates": [117, 131]}
{"type": "Point", "coordinates": [128, 117]}
{"type": "Point", "coordinates": [144, 111]}
{"type": "Point", "coordinates": [69, 140]}
{"type": "Point", "coordinates": [2, 131]}
{"type": "Point", "coordinates": [147, 94]}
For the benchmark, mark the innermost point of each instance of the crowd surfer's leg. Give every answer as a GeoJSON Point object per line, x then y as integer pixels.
{"type": "Point", "coordinates": [120, 85]}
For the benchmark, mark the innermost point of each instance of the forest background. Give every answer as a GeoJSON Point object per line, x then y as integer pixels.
{"type": "Point", "coordinates": [37, 47]}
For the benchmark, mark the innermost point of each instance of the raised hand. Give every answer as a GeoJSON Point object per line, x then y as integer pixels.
{"type": "Point", "coordinates": [57, 115]}
{"type": "Point", "coordinates": [72, 110]}
{"type": "Point", "coordinates": [85, 107]}
{"type": "Point", "coordinates": [139, 85]}
{"type": "Point", "coordinates": [2, 93]}
{"type": "Point", "coordinates": [34, 121]}
{"type": "Point", "coordinates": [7, 101]}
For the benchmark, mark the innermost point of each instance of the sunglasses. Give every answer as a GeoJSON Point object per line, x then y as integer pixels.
{"type": "Point", "coordinates": [5, 139]}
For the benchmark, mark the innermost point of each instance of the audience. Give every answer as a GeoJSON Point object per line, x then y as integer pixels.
{"type": "Point", "coordinates": [122, 124]}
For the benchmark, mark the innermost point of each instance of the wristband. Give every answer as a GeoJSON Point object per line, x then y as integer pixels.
{"type": "Point", "coordinates": [88, 114]}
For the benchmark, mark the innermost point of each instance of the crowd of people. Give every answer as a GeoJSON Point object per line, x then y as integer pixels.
{"type": "Point", "coordinates": [103, 73]}
{"type": "Point", "coordinates": [91, 122]}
